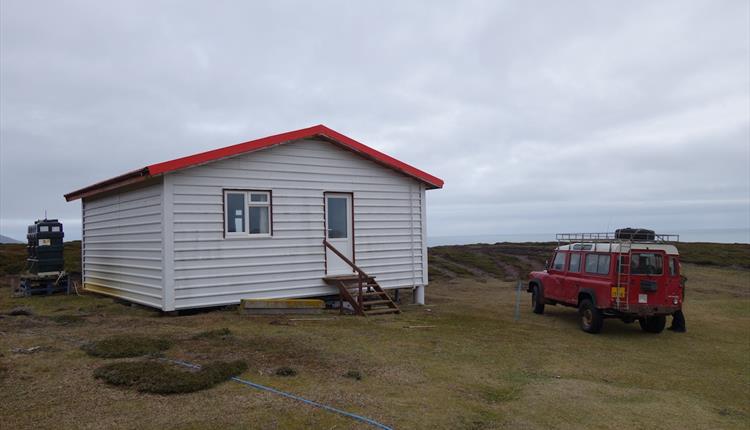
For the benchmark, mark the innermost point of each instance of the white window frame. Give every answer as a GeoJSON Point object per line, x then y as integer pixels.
{"type": "Point", "coordinates": [247, 205]}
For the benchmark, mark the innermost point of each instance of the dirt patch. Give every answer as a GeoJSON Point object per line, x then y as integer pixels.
{"type": "Point", "coordinates": [220, 334]}
{"type": "Point", "coordinates": [67, 319]}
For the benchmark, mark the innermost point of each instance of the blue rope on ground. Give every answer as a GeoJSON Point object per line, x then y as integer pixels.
{"type": "Point", "coordinates": [292, 396]}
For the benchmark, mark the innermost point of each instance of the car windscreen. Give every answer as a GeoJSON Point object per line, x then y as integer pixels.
{"type": "Point", "coordinates": [646, 264]}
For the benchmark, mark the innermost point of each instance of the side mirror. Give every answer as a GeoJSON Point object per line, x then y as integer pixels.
{"type": "Point", "coordinates": [546, 264]}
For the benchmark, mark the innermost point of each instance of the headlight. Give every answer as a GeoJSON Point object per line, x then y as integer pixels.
{"type": "Point", "coordinates": [674, 301]}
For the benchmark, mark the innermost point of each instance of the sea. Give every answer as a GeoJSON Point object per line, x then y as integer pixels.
{"type": "Point", "coordinates": [716, 235]}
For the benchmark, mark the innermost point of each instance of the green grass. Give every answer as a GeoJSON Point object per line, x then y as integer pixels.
{"type": "Point", "coordinates": [157, 377]}
{"type": "Point", "coordinates": [716, 254]}
{"type": "Point", "coordinates": [126, 346]}
{"type": "Point", "coordinates": [461, 362]}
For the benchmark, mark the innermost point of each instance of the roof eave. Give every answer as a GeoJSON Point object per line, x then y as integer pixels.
{"type": "Point", "coordinates": [128, 178]}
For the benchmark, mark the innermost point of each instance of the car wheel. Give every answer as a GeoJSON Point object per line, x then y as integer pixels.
{"type": "Point", "coordinates": [653, 324]}
{"type": "Point", "coordinates": [537, 301]}
{"type": "Point", "coordinates": [591, 318]}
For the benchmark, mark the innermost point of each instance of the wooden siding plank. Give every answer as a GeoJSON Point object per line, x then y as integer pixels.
{"type": "Point", "coordinates": [121, 244]}
{"type": "Point", "coordinates": [209, 269]}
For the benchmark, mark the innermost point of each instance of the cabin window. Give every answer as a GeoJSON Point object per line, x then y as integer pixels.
{"type": "Point", "coordinates": [247, 213]}
{"type": "Point", "coordinates": [597, 264]}
{"type": "Point", "coordinates": [575, 263]}
{"type": "Point", "coordinates": [673, 266]}
{"type": "Point", "coordinates": [559, 262]}
{"type": "Point", "coordinates": [260, 213]}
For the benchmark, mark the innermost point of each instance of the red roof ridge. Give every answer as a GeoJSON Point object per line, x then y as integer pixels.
{"type": "Point", "coordinates": [319, 130]}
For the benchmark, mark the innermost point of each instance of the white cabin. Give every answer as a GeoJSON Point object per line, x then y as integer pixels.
{"type": "Point", "coordinates": [249, 221]}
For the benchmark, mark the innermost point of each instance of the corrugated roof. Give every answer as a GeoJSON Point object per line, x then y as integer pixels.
{"type": "Point", "coordinates": [318, 131]}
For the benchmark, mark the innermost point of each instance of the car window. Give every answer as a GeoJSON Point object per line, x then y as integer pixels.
{"type": "Point", "coordinates": [575, 263]}
{"type": "Point", "coordinates": [673, 266]}
{"type": "Point", "coordinates": [559, 262]}
{"type": "Point", "coordinates": [597, 264]}
{"type": "Point", "coordinates": [646, 264]}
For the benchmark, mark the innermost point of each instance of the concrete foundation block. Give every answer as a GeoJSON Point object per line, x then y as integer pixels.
{"type": "Point", "coordinates": [281, 306]}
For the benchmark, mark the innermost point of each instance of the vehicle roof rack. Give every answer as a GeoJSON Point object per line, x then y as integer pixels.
{"type": "Point", "coordinates": [612, 238]}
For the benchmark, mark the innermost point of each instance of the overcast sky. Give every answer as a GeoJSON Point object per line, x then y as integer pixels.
{"type": "Point", "coordinates": [541, 116]}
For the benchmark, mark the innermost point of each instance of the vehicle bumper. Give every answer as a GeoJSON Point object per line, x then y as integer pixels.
{"type": "Point", "coordinates": [647, 310]}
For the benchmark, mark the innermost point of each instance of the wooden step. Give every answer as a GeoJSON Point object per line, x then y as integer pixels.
{"type": "Point", "coordinates": [373, 302]}
{"type": "Point", "coordinates": [368, 294]}
{"type": "Point", "coordinates": [376, 302]}
{"type": "Point", "coordinates": [381, 311]}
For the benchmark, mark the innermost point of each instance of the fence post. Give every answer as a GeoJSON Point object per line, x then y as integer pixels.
{"type": "Point", "coordinates": [517, 315]}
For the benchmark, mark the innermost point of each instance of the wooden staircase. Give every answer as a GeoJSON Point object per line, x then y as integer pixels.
{"type": "Point", "coordinates": [360, 290]}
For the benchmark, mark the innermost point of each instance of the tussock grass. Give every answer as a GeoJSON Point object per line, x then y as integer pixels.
{"type": "Point", "coordinates": [285, 371]}
{"type": "Point", "coordinates": [126, 346]}
{"type": "Point", "coordinates": [157, 377]}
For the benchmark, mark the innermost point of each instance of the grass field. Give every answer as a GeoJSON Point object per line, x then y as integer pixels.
{"type": "Point", "coordinates": [461, 362]}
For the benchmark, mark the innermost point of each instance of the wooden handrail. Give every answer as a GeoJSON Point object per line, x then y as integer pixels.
{"type": "Point", "coordinates": [363, 281]}
{"type": "Point", "coordinates": [343, 257]}
{"type": "Point", "coordinates": [361, 275]}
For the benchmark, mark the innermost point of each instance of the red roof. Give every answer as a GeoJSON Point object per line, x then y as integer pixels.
{"type": "Point", "coordinates": [318, 131]}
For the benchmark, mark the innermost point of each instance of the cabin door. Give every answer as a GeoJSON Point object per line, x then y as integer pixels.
{"type": "Point", "coordinates": [339, 232]}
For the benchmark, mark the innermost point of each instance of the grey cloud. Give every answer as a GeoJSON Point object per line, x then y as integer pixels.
{"type": "Point", "coordinates": [541, 116]}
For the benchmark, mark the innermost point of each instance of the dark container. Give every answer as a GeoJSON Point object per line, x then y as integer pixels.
{"type": "Point", "coordinates": [45, 246]}
{"type": "Point", "coordinates": [635, 234]}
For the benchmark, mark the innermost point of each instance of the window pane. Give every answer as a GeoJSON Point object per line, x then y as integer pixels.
{"type": "Point", "coordinates": [603, 266]}
{"type": "Point", "coordinates": [258, 197]}
{"type": "Point", "coordinates": [559, 262]}
{"type": "Point", "coordinates": [672, 267]}
{"type": "Point", "coordinates": [575, 263]}
{"type": "Point", "coordinates": [235, 212]}
{"type": "Point", "coordinates": [337, 218]}
{"type": "Point", "coordinates": [591, 263]}
{"type": "Point", "coordinates": [259, 220]}
{"type": "Point", "coordinates": [647, 264]}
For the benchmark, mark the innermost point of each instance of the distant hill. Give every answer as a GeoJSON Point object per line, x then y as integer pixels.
{"type": "Point", "coordinates": [6, 239]}
{"type": "Point", "coordinates": [511, 261]}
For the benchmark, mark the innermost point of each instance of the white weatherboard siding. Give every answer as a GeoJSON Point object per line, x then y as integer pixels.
{"type": "Point", "coordinates": [211, 270]}
{"type": "Point", "coordinates": [122, 244]}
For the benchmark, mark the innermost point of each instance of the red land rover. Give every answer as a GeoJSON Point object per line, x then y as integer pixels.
{"type": "Point", "coordinates": [632, 274]}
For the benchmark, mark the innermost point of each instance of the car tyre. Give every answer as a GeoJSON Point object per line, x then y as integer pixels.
{"type": "Point", "coordinates": [537, 301]}
{"type": "Point", "coordinates": [653, 324]}
{"type": "Point", "coordinates": [590, 317]}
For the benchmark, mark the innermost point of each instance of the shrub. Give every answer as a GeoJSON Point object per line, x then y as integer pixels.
{"type": "Point", "coordinates": [156, 377]}
{"type": "Point", "coordinates": [354, 374]}
{"type": "Point", "coordinates": [20, 311]}
{"type": "Point", "coordinates": [126, 346]}
{"type": "Point", "coordinates": [285, 371]}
